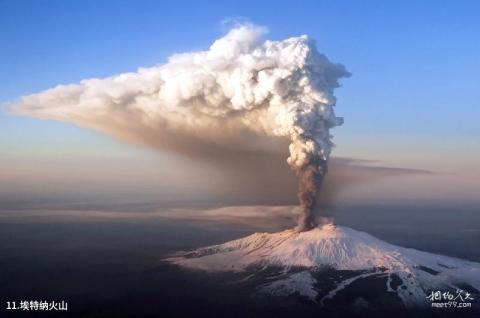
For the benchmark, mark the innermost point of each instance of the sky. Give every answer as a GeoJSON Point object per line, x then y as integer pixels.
{"type": "Point", "coordinates": [411, 101]}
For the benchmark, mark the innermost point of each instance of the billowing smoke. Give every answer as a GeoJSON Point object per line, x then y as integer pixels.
{"type": "Point", "coordinates": [242, 95]}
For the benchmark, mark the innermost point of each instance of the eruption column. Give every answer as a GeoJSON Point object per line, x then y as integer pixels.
{"type": "Point", "coordinates": [242, 94]}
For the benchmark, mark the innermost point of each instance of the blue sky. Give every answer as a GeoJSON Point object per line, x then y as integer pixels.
{"type": "Point", "coordinates": [414, 63]}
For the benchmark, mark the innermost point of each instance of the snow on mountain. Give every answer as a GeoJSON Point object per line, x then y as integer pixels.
{"type": "Point", "coordinates": [340, 248]}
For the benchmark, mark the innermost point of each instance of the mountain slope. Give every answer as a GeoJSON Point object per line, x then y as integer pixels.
{"type": "Point", "coordinates": [339, 248]}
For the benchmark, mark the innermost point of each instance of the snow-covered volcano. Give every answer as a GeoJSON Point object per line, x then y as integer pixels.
{"type": "Point", "coordinates": [408, 273]}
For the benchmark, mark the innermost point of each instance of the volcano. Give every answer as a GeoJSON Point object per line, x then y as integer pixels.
{"type": "Point", "coordinates": [323, 263]}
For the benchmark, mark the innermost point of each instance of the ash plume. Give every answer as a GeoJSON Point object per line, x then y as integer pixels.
{"type": "Point", "coordinates": [243, 94]}
{"type": "Point", "coordinates": [310, 179]}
